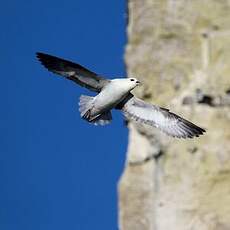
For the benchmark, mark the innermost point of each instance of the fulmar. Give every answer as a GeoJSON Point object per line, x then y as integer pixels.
{"type": "Point", "coordinates": [116, 94]}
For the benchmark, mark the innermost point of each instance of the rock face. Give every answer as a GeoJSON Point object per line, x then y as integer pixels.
{"type": "Point", "coordinates": [180, 50]}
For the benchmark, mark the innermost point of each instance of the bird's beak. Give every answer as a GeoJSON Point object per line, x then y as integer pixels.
{"type": "Point", "coordinates": [138, 82]}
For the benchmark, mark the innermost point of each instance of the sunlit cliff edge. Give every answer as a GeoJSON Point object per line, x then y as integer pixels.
{"type": "Point", "coordinates": [180, 51]}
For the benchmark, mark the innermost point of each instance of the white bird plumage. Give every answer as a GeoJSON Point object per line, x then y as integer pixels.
{"type": "Point", "coordinates": [115, 94]}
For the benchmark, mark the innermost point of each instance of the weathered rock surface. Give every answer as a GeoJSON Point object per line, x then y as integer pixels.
{"type": "Point", "coordinates": [180, 50]}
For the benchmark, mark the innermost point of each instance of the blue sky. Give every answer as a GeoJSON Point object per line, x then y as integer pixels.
{"type": "Point", "coordinates": [56, 170]}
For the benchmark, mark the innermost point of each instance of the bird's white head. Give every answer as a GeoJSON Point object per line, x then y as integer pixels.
{"type": "Point", "coordinates": [127, 83]}
{"type": "Point", "coordinates": [133, 81]}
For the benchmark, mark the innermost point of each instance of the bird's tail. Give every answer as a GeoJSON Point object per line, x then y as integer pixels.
{"type": "Point", "coordinates": [86, 103]}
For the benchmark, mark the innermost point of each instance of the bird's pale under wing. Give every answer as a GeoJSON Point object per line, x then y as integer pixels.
{"type": "Point", "coordinates": [73, 71]}
{"type": "Point", "coordinates": [161, 118]}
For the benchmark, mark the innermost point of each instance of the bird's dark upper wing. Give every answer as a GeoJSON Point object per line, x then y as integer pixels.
{"type": "Point", "coordinates": [73, 71]}
{"type": "Point", "coordinates": [158, 117]}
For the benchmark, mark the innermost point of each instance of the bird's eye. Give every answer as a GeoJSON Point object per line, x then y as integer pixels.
{"type": "Point", "coordinates": [131, 79]}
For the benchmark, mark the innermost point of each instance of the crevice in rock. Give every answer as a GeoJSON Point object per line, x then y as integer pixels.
{"type": "Point", "coordinates": [154, 156]}
{"type": "Point", "coordinates": [147, 159]}
{"type": "Point", "coordinates": [202, 98]}
{"type": "Point", "coordinates": [208, 99]}
{"type": "Point", "coordinates": [156, 177]}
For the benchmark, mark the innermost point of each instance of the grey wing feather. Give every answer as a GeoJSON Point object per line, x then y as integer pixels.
{"type": "Point", "coordinates": [161, 118]}
{"type": "Point", "coordinates": [73, 71]}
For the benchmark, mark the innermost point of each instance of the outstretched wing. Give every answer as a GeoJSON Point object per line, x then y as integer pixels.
{"type": "Point", "coordinates": [73, 71]}
{"type": "Point", "coordinates": [161, 118]}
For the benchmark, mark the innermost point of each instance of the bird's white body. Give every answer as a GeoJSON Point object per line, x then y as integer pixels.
{"type": "Point", "coordinates": [112, 94]}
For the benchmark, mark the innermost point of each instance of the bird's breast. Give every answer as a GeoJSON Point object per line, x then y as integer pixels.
{"type": "Point", "coordinates": [109, 97]}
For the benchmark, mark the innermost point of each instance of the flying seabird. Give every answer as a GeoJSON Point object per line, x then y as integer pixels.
{"type": "Point", "coordinates": [116, 94]}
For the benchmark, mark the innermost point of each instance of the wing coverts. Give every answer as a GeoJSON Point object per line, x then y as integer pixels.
{"type": "Point", "coordinates": [73, 71]}
{"type": "Point", "coordinates": [161, 118]}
